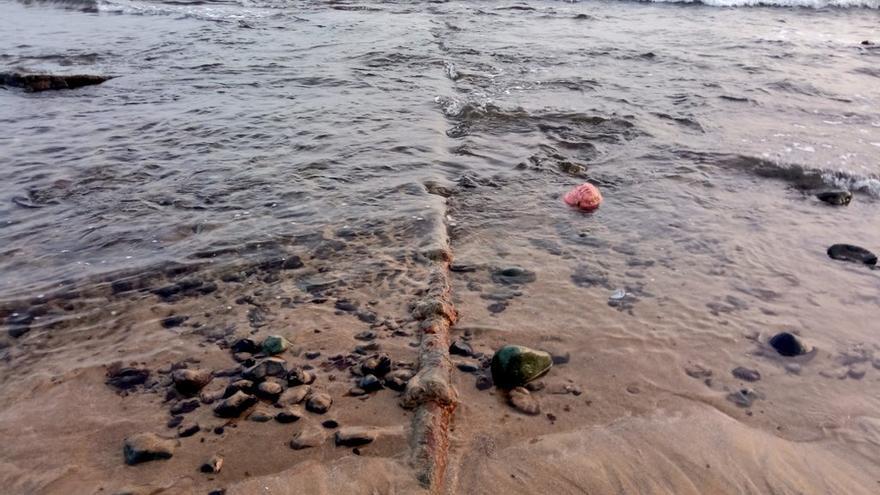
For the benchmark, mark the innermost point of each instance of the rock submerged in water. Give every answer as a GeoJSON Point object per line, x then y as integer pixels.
{"type": "Point", "coordinates": [837, 198]}
{"type": "Point", "coordinates": [514, 365]}
{"type": "Point", "coordinates": [43, 82]}
{"type": "Point", "coordinates": [787, 344]}
{"type": "Point", "coordinates": [855, 254]}
{"type": "Point", "coordinates": [145, 447]}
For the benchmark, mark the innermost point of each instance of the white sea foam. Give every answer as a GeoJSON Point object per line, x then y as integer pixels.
{"type": "Point", "coordinates": [814, 4]}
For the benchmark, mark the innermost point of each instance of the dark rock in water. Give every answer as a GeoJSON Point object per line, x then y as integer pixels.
{"type": "Point", "coordinates": [370, 383]}
{"type": "Point", "coordinates": [275, 344]}
{"type": "Point", "coordinates": [867, 43]}
{"type": "Point", "coordinates": [185, 406]}
{"type": "Point", "coordinates": [264, 368]}
{"type": "Point", "coordinates": [126, 378]}
{"type": "Point", "coordinates": [787, 344]}
{"type": "Point", "coordinates": [855, 254]}
{"type": "Point", "coordinates": [245, 345]}
{"type": "Point", "coordinates": [292, 263]}
{"type": "Point", "coordinates": [513, 275]}
{"type": "Point", "coordinates": [173, 321]}
{"type": "Point", "coordinates": [461, 348]}
{"type": "Point", "coordinates": [188, 430]}
{"type": "Point", "coordinates": [299, 376]}
{"type": "Point", "coordinates": [319, 402]}
{"type": "Point", "coordinates": [307, 438]}
{"type": "Point", "coordinates": [524, 402]}
{"type": "Point", "coordinates": [746, 374]}
{"type": "Point", "coordinates": [484, 382]}
{"type": "Point", "coordinates": [839, 198]}
{"type": "Point", "coordinates": [289, 415]}
{"type": "Point", "coordinates": [212, 465]}
{"type": "Point", "coordinates": [379, 365]}
{"type": "Point", "coordinates": [397, 379]}
{"type": "Point", "coordinates": [19, 323]}
{"type": "Point", "coordinates": [354, 436]}
{"type": "Point", "coordinates": [233, 406]}
{"type": "Point", "coordinates": [514, 366]}
{"type": "Point", "coordinates": [44, 82]}
{"type": "Point", "coordinates": [270, 390]}
{"type": "Point", "coordinates": [189, 381]}
{"type": "Point", "coordinates": [145, 447]}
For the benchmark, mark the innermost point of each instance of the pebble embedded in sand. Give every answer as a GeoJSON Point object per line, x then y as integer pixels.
{"type": "Point", "coordinates": [523, 401]}
{"type": "Point", "coordinates": [744, 397]}
{"type": "Point", "coordinates": [145, 447]}
{"type": "Point", "coordinates": [354, 436]}
{"type": "Point", "coordinates": [212, 465]}
{"type": "Point", "coordinates": [787, 344]}
{"type": "Point", "coordinates": [188, 429]}
{"type": "Point", "coordinates": [309, 437]}
{"type": "Point", "coordinates": [513, 275]}
{"type": "Point", "coordinates": [370, 383]}
{"type": "Point", "coordinates": [854, 254]}
{"type": "Point", "coordinates": [483, 382]}
{"type": "Point", "coordinates": [378, 364]}
{"type": "Point", "coordinates": [514, 365]}
{"type": "Point", "coordinates": [190, 381]}
{"type": "Point", "coordinates": [289, 414]}
{"type": "Point", "coordinates": [319, 402]}
{"type": "Point", "coordinates": [233, 406]}
{"type": "Point", "coordinates": [260, 415]}
{"type": "Point", "coordinates": [126, 378]}
{"type": "Point", "coordinates": [838, 198]}
{"type": "Point", "coordinates": [746, 374]}
{"type": "Point", "coordinates": [185, 406]}
{"type": "Point", "coordinates": [275, 344]}
{"type": "Point", "coordinates": [697, 371]}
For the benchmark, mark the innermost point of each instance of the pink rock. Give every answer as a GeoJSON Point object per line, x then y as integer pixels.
{"type": "Point", "coordinates": [585, 196]}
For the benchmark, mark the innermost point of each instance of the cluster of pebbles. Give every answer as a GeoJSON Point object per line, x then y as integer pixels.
{"type": "Point", "coordinates": [263, 387]}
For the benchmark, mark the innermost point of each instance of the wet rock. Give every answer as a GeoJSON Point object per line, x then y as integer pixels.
{"type": "Point", "coordinates": [838, 198]}
{"type": "Point", "coordinates": [366, 335]}
{"type": "Point", "coordinates": [185, 406]}
{"type": "Point", "coordinates": [354, 436]}
{"type": "Point", "coordinates": [190, 381]}
{"type": "Point", "coordinates": [468, 367]}
{"type": "Point", "coordinates": [697, 371]}
{"type": "Point", "coordinates": [309, 437]}
{"type": "Point", "coordinates": [289, 415]}
{"type": "Point", "coordinates": [245, 386]}
{"type": "Point", "coordinates": [378, 364]}
{"type": "Point", "coordinates": [397, 379]}
{"type": "Point", "coordinates": [44, 82]}
{"type": "Point", "coordinates": [19, 323]}
{"type": "Point", "coordinates": [370, 383]}
{"type": "Point", "coordinates": [292, 263]}
{"type": "Point", "coordinates": [484, 382]}
{"type": "Point", "coordinates": [294, 395]}
{"type": "Point", "coordinates": [313, 355]}
{"type": "Point", "coordinates": [275, 344]}
{"type": "Point", "coordinates": [233, 406]}
{"type": "Point", "coordinates": [524, 402]}
{"type": "Point", "coordinates": [746, 374]}
{"type": "Point", "coordinates": [319, 402]}
{"type": "Point", "coordinates": [212, 465]}
{"type": "Point", "coordinates": [126, 378]}
{"type": "Point", "coordinates": [265, 368]}
{"type": "Point", "coordinates": [145, 447]}
{"type": "Point", "coordinates": [787, 344]}
{"type": "Point", "coordinates": [461, 348]}
{"type": "Point", "coordinates": [854, 254]}
{"type": "Point", "coordinates": [330, 424]}
{"type": "Point", "coordinates": [743, 397]}
{"type": "Point", "coordinates": [188, 430]}
{"type": "Point", "coordinates": [173, 321]}
{"type": "Point", "coordinates": [513, 275]}
{"type": "Point", "coordinates": [245, 345]}
{"type": "Point", "coordinates": [299, 376]}
{"type": "Point", "coordinates": [270, 390]}
{"type": "Point", "coordinates": [514, 365]}
{"type": "Point", "coordinates": [260, 415]}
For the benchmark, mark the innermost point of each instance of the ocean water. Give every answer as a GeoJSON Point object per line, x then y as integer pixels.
{"type": "Point", "coordinates": [360, 135]}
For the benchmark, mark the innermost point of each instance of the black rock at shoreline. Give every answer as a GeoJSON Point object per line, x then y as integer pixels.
{"type": "Point", "coordinates": [855, 254]}
{"type": "Point", "coordinates": [43, 82]}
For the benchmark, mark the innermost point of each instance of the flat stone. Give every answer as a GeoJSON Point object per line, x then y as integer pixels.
{"type": "Point", "coordinates": [354, 436]}
{"type": "Point", "coordinates": [185, 406]}
{"type": "Point", "coordinates": [126, 378]}
{"type": "Point", "coordinates": [746, 374]}
{"type": "Point", "coordinates": [289, 414]}
{"type": "Point", "coordinates": [144, 447]}
{"type": "Point", "coordinates": [524, 402]}
{"type": "Point", "coordinates": [309, 437]}
{"type": "Point", "coordinates": [854, 254]}
{"type": "Point", "coordinates": [294, 395]}
{"type": "Point", "coordinates": [190, 381]}
{"type": "Point", "coordinates": [260, 415]}
{"type": "Point", "coordinates": [744, 397]}
{"type": "Point", "coordinates": [233, 406]}
{"type": "Point", "coordinates": [319, 402]}
{"type": "Point", "coordinates": [468, 367]}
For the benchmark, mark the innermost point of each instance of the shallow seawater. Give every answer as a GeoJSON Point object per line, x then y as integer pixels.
{"type": "Point", "coordinates": [359, 137]}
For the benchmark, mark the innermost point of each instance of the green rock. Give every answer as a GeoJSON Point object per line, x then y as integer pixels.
{"type": "Point", "coordinates": [514, 365]}
{"type": "Point", "coordinates": [275, 344]}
